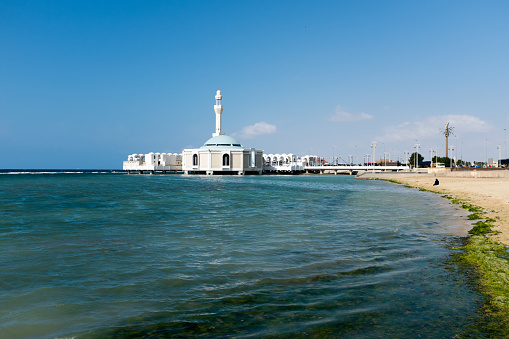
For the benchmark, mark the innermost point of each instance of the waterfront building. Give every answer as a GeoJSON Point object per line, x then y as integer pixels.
{"type": "Point", "coordinates": [222, 154]}
{"type": "Point", "coordinates": [282, 163]}
{"type": "Point", "coordinates": [152, 162]}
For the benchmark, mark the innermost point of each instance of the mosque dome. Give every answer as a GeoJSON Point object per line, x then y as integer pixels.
{"type": "Point", "coordinates": [222, 141]}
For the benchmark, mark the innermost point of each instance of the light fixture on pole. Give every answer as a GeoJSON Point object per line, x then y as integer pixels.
{"type": "Point", "coordinates": [384, 153]}
{"type": "Point", "coordinates": [416, 159]}
{"type": "Point", "coordinates": [368, 156]}
{"type": "Point", "coordinates": [451, 148]}
{"type": "Point", "coordinates": [499, 156]}
{"type": "Point", "coordinates": [505, 142]}
{"type": "Point", "coordinates": [373, 146]}
{"type": "Point", "coordinates": [486, 153]}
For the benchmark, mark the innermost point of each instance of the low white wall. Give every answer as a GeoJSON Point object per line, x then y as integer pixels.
{"type": "Point", "coordinates": [489, 173]}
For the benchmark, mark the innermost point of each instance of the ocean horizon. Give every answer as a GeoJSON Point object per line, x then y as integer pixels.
{"type": "Point", "coordinates": [90, 254]}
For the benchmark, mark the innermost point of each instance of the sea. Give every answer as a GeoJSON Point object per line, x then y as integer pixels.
{"type": "Point", "coordinates": [101, 254]}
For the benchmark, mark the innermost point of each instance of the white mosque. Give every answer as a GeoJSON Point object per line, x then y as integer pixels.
{"type": "Point", "coordinates": [220, 155]}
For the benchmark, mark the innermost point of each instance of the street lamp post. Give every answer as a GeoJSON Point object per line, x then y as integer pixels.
{"type": "Point", "coordinates": [416, 160]}
{"type": "Point", "coordinates": [486, 153]}
{"type": "Point", "coordinates": [385, 164]}
{"type": "Point", "coordinates": [367, 159]}
{"type": "Point", "coordinates": [451, 148]}
{"type": "Point", "coordinates": [505, 142]}
{"type": "Point", "coordinates": [461, 154]}
{"type": "Point", "coordinates": [499, 156]}
{"type": "Point", "coordinates": [356, 154]}
{"type": "Point", "coordinates": [373, 145]}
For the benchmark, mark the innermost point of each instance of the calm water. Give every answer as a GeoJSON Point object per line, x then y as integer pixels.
{"type": "Point", "coordinates": [112, 255]}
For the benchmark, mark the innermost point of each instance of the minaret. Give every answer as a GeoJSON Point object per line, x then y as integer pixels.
{"type": "Point", "coordinates": [218, 108]}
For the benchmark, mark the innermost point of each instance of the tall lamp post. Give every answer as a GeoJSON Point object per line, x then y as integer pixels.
{"type": "Point", "coordinates": [431, 156]}
{"type": "Point", "coordinates": [406, 157]}
{"type": "Point", "coordinates": [505, 142]}
{"type": "Point", "coordinates": [416, 159]}
{"type": "Point", "coordinates": [499, 156]}
{"type": "Point", "coordinates": [367, 159]}
{"type": "Point", "coordinates": [451, 148]}
{"type": "Point", "coordinates": [486, 153]}
{"type": "Point", "coordinates": [461, 154]}
{"type": "Point", "coordinates": [373, 146]}
{"type": "Point", "coordinates": [383, 143]}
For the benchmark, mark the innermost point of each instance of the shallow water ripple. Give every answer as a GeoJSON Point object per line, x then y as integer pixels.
{"type": "Point", "coordinates": [111, 255]}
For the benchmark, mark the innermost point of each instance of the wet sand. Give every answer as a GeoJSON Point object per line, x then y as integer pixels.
{"type": "Point", "coordinates": [492, 194]}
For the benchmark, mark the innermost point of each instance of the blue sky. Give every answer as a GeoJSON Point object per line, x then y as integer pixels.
{"type": "Point", "coordinates": [83, 84]}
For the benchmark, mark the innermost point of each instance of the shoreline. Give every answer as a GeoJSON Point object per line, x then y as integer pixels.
{"type": "Point", "coordinates": [491, 194]}
{"type": "Point", "coordinates": [484, 255]}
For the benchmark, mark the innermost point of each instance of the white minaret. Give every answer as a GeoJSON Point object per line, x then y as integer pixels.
{"type": "Point", "coordinates": [218, 108]}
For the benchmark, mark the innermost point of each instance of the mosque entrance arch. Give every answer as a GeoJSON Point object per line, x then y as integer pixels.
{"type": "Point", "coordinates": [226, 160]}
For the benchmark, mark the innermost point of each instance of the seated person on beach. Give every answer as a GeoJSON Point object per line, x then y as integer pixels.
{"type": "Point", "coordinates": [436, 182]}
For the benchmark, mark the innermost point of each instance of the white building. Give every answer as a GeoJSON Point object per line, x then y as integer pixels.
{"type": "Point", "coordinates": [222, 154]}
{"type": "Point", "coordinates": [152, 162]}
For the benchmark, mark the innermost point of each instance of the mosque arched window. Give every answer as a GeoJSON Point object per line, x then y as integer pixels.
{"type": "Point", "coordinates": [226, 160]}
{"type": "Point", "coordinates": [195, 159]}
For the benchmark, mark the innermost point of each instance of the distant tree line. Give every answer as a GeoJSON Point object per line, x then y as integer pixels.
{"type": "Point", "coordinates": [411, 161]}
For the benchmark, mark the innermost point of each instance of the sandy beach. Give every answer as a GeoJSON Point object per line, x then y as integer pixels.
{"type": "Point", "coordinates": [492, 194]}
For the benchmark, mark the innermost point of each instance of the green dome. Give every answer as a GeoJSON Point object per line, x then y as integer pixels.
{"type": "Point", "coordinates": [222, 141]}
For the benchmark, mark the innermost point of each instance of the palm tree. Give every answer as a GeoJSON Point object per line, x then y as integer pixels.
{"type": "Point", "coordinates": [448, 131]}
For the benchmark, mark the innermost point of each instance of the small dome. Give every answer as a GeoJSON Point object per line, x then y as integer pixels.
{"type": "Point", "coordinates": [218, 95]}
{"type": "Point", "coordinates": [222, 141]}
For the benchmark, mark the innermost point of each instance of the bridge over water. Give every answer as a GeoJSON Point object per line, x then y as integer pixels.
{"type": "Point", "coordinates": [330, 169]}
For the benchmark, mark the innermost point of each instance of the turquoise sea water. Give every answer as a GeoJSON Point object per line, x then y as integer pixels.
{"type": "Point", "coordinates": [114, 255]}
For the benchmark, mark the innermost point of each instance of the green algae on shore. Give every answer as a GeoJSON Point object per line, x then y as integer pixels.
{"type": "Point", "coordinates": [487, 262]}
{"type": "Point", "coordinates": [489, 265]}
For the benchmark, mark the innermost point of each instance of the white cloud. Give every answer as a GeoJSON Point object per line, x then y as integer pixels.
{"type": "Point", "coordinates": [260, 128]}
{"type": "Point", "coordinates": [343, 116]}
{"type": "Point", "coordinates": [432, 126]}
